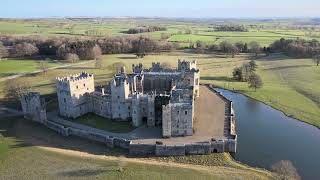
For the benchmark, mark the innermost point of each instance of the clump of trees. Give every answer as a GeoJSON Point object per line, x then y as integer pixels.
{"type": "Point", "coordinates": [143, 45]}
{"type": "Point", "coordinates": [246, 73]}
{"type": "Point", "coordinates": [144, 29]}
{"type": "Point", "coordinates": [228, 48]}
{"type": "Point", "coordinates": [25, 49]}
{"type": "Point", "coordinates": [298, 48]}
{"type": "Point", "coordinates": [235, 28]}
{"type": "Point", "coordinates": [84, 48]}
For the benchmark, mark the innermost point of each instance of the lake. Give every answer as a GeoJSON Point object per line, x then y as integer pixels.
{"type": "Point", "coordinates": [266, 136]}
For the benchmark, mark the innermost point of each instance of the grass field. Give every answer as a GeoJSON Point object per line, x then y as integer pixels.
{"type": "Point", "coordinates": [104, 124]}
{"type": "Point", "coordinates": [15, 66]}
{"type": "Point", "coordinates": [55, 157]}
{"type": "Point", "coordinates": [290, 85]}
{"type": "Point", "coordinates": [201, 31]}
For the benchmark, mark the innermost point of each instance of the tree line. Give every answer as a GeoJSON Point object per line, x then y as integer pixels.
{"type": "Point", "coordinates": [233, 28]}
{"type": "Point", "coordinates": [228, 48]}
{"type": "Point", "coordinates": [144, 29]}
{"type": "Point", "coordinates": [73, 49]}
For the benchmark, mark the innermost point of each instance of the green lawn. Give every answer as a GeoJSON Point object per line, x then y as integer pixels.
{"type": "Point", "coordinates": [15, 66]}
{"type": "Point", "coordinates": [19, 159]}
{"type": "Point", "coordinates": [104, 123]}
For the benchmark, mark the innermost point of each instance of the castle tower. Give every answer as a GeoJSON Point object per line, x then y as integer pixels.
{"type": "Point", "coordinates": [136, 114]}
{"type": "Point", "coordinates": [33, 107]}
{"type": "Point", "coordinates": [120, 91]}
{"type": "Point", "coordinates": [72, 94]}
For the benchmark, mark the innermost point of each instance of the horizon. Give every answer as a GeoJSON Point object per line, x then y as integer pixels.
{"type": "Point", "coordinates": [203, 9]}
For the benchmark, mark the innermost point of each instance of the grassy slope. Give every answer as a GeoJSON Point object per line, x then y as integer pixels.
{"type": "Point", "coordinates": [14, 66]}
{"type": "Point", "coordinates": [290, 85]}
{"type": "Point", "coordinates": [21, 160]}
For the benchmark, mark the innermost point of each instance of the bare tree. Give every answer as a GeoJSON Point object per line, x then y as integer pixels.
{"type": "Point", "coordinates": [71, 57]}
{"type": "Point", "coordinates": [15, 90]}
{"type": "Point", "coordinates": [254, 81]}
{"type": "Point", "coordinates": [255, 47]}
{"type": "Point", "coordinates": [43, 66]}
{"type": "Point", "coordinates": [316, 59]}
{"type": "Point", "coordinates": [98, 63]}
{"type": "Point", "coordinates": [25, 49]}
{"type": "Point", "coordinates": [286, 170]}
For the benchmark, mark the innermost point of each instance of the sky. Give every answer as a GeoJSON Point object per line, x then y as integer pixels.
{"type": "Point", "coordinates": [160, 8]}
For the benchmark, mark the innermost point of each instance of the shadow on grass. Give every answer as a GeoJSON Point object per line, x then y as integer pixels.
{"type": "Point", "coordinates": [218, 78]}
{"type": "Point", "coordinates": [85, 172]}
{"type": "Point", "coordinates": [26, 133]}
{"type": "Point", "coordinates": [127, 57]}
{"type": "Point", "coordinates": [77, 68]}
{"type": "Point", "coordinates": [287, 67]}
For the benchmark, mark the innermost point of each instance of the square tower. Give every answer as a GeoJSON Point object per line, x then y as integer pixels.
{"type": "Point", "coordinates": [72, 94]}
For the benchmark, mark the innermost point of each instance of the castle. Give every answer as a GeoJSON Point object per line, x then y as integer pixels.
{"type": "Point", "coordinates": [155, 97]}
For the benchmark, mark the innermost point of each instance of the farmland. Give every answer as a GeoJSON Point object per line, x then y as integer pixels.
{"type": "Point", "coordinates": [262, 32]}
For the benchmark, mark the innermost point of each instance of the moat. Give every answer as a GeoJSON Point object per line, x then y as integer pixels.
{"type": "Point", "coordinates": [266, 136]}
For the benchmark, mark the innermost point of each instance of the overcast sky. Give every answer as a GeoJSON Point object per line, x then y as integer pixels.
{"type": "Point", "coordinates": [160, 8]}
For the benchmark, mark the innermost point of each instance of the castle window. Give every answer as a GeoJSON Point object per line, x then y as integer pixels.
{"type": "Point", "coordinates": [88, 89]}
{"type": "Point", "coordinates": [129, 107]}
{"type": "Point", "coordinates": [118, 97]}
{"type": "Point", "coordinates": [77, 87]}
{"type": "Point", "coordinates": [84, 85]}
{"type": "Point", "coordinates": [178, 112]}
{"type": "Point", "coordinates": [119, 115]}
{"type": "Point", "coordinates": [64, 100]}
{"type": "Point", "coordinates": [185, 112]}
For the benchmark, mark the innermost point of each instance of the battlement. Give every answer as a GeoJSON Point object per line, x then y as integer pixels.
{"type": "Point", "coordinates": [76, 77]}
{"type": "Point", "coordinates": [137, 68]}
{"type": "Point", "coordinates": [187, 65]}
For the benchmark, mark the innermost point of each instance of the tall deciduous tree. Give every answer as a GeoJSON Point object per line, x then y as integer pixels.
{"type": "Point", "coordinates": [254, 81]}
{"type": "Point", "coordinates": [255, 47]}
{"type": "Point", "coordinates": [316, 59]}
{"type": "Point", "coordinates": [25, 49]}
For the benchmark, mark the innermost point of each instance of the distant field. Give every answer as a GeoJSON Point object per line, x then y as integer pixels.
{"type": "Point", "coordinates": [58, 157]}
{"type": "Point", "coordinates": [114, 27]}
{"type": "Point", "coordinates": [15, 66]}
{"type": "Point", "coordinates": [290, 85]}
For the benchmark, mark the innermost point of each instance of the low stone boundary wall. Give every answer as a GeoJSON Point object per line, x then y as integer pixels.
{"type": "Point", "coordinates": [138, 149]}
{"type": "Point", "coordinates": [198, 148]}
{"type": "Point", "coordinates": [170, 150]}
{"type": "Point", "coordinates": [142, 149]}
